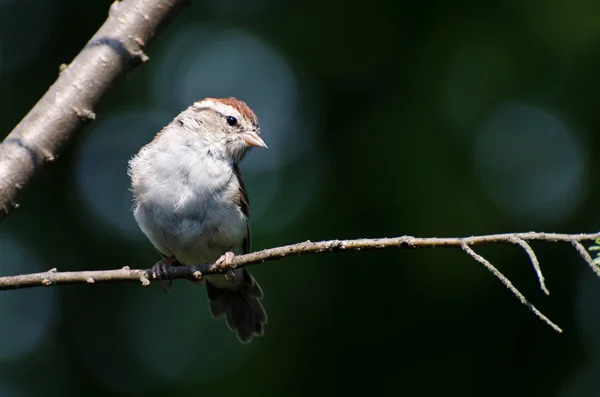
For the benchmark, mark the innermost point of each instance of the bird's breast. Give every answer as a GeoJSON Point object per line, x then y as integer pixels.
{"type": "Point", "coordinates": [189, 210]}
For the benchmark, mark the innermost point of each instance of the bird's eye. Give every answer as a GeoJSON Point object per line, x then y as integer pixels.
{"type": "Point", "coordinates": [231, 120]}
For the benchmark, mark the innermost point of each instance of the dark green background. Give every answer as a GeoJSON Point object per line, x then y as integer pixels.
{"type": "Point", "coordinates": [393, 98]}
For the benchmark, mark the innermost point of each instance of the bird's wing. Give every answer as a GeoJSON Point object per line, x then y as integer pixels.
{"type": "Point", "coordinates": [244, 203]}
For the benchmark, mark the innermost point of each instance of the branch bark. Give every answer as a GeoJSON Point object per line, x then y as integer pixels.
{"type": "Point", "coordinates": [125, 274]}
{"type": "Point", "coordinates": [116, 48]}
{"type": "Point", "coordinates": [196, 272]}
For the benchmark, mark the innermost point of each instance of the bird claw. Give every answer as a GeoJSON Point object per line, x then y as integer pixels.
{"type": "Point", "coordinates": [225, 262]}
{"type": "Point", "coordinates": [160, 271]}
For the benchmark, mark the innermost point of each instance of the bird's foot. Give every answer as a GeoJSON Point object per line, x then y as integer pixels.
{"type": "Point", "coordinates": [224, 263]}
{"type": "Point", "coordinates": [160, 271]}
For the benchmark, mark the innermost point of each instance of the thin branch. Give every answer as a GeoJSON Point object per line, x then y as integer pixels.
{"type": "Point", "coordinates": [195, 272]}
{"type": "Point", "coordinates": [70, 102]}
{"type": "Point", "coordinates": [586, 256]}
{"type": "Point", "coordinates": [534, 261]}
{"type": "Point", "coordinates": [508, 285]}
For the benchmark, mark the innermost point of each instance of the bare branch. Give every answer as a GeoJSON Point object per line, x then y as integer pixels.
{"type": "Point", "coordinates": [53, 277]}
{"type": "Point", "coordinates": [194, 272]}
{"type": "Point", "coordinates": [113, 51]}
{"type": "Point", "coordinates": [508, 285]}
{"type": "Point", "coordinates": [534, 261]}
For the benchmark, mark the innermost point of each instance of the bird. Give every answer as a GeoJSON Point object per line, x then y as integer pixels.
{"type": "Point", "coordinates": [190, 201]}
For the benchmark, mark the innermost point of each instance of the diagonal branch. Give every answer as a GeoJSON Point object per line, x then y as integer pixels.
{"type": "Point", "coordinates": [586, 256]}
{"type": "Point", "coordinates": [70, 102]}
{"type": "Point", "coordinates": [508, 285]}
{"type": "Point", "coordinates": [534, 261]}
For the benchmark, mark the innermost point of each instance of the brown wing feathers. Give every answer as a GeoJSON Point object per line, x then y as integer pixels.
{"type": "Point", "coordinates": [244, 203]}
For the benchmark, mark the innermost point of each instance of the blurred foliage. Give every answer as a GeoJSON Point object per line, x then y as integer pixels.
{"type": "Point", "coordinates": [593, 248]}
{"type": "Point", "coordinates": [388, 118]}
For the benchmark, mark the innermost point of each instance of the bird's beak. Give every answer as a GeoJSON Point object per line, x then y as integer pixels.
{"type": "Point", "coordinates": [253, 139]}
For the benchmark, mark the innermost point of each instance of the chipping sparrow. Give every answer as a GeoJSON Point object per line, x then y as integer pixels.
{"type": "Point", "coordinates": [191, 203]}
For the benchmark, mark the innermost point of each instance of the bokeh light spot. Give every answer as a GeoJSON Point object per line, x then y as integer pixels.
{"type": "Point", "coordinates": [529, 163]}
{"type": "Point", "coordinates": [102, 178]}
{"type": "Point", "coordinates": [235, 63]}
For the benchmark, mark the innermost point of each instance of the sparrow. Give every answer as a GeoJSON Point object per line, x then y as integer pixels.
{"type": "Point", "coordinates": [190, 201]}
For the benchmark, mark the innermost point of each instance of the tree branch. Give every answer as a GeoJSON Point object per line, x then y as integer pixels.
{"type": "Point", "coordinates": [196, 272]}
{"type": "Point", "coordinates": [53, 277]}
{"type": "Point", "coordinates": [116, 48]}
{"type": "Point", "coordinates": [508, 284]}
{"type": "Point", "coordinates": [534, 261]}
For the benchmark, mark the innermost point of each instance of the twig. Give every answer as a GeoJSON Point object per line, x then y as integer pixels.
{"type": "Point", "coordinates": [69, 103]}
{"type": "Point", "coordinates": [508, 285]}
{"type": "Point", "coordinates": [534, 261]}
{"type": "Point", "coordinates": [586, 256]}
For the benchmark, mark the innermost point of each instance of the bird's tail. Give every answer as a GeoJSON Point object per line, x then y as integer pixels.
{"type": "Point", "coordinates": [241, 304]}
